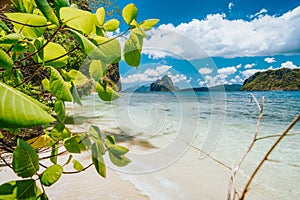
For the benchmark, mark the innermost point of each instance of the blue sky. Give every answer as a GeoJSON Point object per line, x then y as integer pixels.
{"type": "Point", "coordinates": [206, 43]}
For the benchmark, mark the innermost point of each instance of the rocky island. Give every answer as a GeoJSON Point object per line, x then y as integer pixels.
{"type": "Point", "coordinates": [280, 79]}
{"type": "Point", "coordinates": [163, 84]}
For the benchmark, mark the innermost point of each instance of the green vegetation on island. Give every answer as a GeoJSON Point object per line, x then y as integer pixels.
{"type": "Point", "coordinates": [280, 79]}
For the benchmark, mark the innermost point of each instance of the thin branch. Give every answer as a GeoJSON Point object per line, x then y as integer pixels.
{"type": "Point", "coordinates": [272, 136]}
{"type": "Point", "coordinates": [113, 38]}
{"type": "Point", "coordinates": [236, 169]}
{"type": "Point", "coordinates": [23, 24]}
{"type": "Point", "coordinates": [267, 155]}
{"type": "Point", "coordinates": [29, 78]}
{"type": "Point", "coordinates": [6, 163]}
{"type": "Point", "coordinates": [209, 156]}
{"type": "Point", "coordinates": [47, 157]}
{"type": "Point", "coordinates": [76, 172]}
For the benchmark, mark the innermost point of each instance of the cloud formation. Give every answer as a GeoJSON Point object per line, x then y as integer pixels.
{"type": "Point", "coordinates": [205, 70]}
{"type": "Point", "coordinates": [217, 36]}
{"type": "Point", "coordinates": [270, 60]}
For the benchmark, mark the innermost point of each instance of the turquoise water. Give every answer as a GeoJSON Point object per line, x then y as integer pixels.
{"type": "Point", "coordinates": [222, 124]}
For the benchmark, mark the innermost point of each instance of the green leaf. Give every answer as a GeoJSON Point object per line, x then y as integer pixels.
{"type": "Point", "coordinates": [46, 84]}
{"type": "Point", "coordinates": [12, 38]}
{"type": "Point", "coordinates": [60, 131]}
{"type": "Point", "coordinates": [85, 142]}
{"type": "Point", "coordinates": [110, 48]}
{"type": "Point", "coordinates": [59, 108]}
{"type": "Point", "coordinates": [76, 97]}
{"type": "Point", "coordinates": [118, 150]}
{"type": "Point", "coordinates": [148, 24]}
{"type": "Point", "coordinates": [54, 153]}
{"type": "Point", "coordinates": [59, 87]}
{"type": "Point", "coordinates": [133, 48]}
{"type": "Point", "coordinates": [53, 51]}
{"type": "Point", "coordinates": [44, 196]}
{"type": "Point", "coordinates": [23, 189]}
{"type": "Point", "coordinates": [96, 136]}
{"type": "Point", "coordinates": [47, 11]}
{"type": "Point", "coordinates": [77, 165]}
{"type": "Point", "coordinates": [129, 13]}
{"type": "Point", "coordinates": [51, 175]}
{"type": "Point", "coordinates": [111, 25]}
{"type": "Point", "coordinates": [72, 144]}
{"type": "Point", "coordinates": [97, 69]}
{"type": "Point", "coordinates": [25, 160]}
{"type": "Point", "coordinates": [100, 14]}
{"type": "Point", "coordinates": [6, 61]}
{"type": "Point", "coordinates": [77, 77]}
{"type": "Point", "coordinates": [119, 160]}
{"type": "Point", "coordinates": [19, 110]}
{"type": "Point", "coordinates": [107, 94]}
{"type": "Point", "coordinates": [39, 142]}
{"type": "Point", "coordinates": [30, 19]}
{"type": "Point", "coordinates": [1, 136]}
{"type": "Point", "coordinates": [78, 19]}
{"type": "Point", "coordinates": [98, 160]}
{"type": "Point", "coordinates": [4, 27]}
{"type": "Point", "coordinates": [89, 48]}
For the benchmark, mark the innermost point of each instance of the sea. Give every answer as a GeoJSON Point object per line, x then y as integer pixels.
{"type": "Point", "coordinates": [177, 141]}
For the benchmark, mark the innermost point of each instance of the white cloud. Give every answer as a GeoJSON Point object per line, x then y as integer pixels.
{"type": "Point", "coordinates": [217, 36]}
{"type": "Point", "coordinates": [270, 60]}
{"type": "Point", "coordinates": [177, 77]}
{"type": "Point", "coordinates": [205, 70]}
{"type": "Point", "coordinates": [249, 66]}
{"type": "Point", "coordinates": [289, 65]}
{"type": "Point", "coordinates": [249, 72]}
{"type": "Point", "coordinates": [227, 70]}
{"type": "Point", "coordinates": [238, 66]}
{"type": "Point", "coordinates": [230, 6]}
{"type": "Point", "coordinates": [148, 75]}
{"type": "Point", "coordinates": [259, 14]}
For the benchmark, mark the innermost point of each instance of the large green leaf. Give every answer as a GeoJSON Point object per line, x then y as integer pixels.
{"type": "Point", "coordinates": [119, 160]}
{"type": "Point", "coordinates": [51, 175]}
{"type": "Point", "coordinates": [111, 25]}
{"type": "Point", "coordinates": [6, 61]}
{"type": "Point", "coordinates": [107, 93]}
{"type": "Point", "coordinates": [98, 160]}
{"type": "Point", "coordinates": [59, 108]}
{"type": "Point", "coordinates": [96, 136]}
{"type": "Point", "coordinates": [97, 69]}
{"type": "Point", "coordinates": [133, 48]}
{"type": "Point", "coordinates": [52, 51]}
{"type": "Point", "coordinates": [12, 38]}
{"type": "Point", "coordinates": [23, 189]}
{"type": "Point", "coordinates": [100, 14]}
{"type": "Point", "coordinates": [129, 13]}
{"type": "Point", "coordinates": [118, 150]}
{"type": "Point", "coordinates": [18, 110]}
{"type": "Point", "coordinates": [110, 48]}
{"type": "Point", "coordinates": [89, 47]}
{"type": "Point", "coordinates": [148, 24]}
{"type": "Point", "coordinates": [72, 144]}
{"type": "Point", "coordinates": [59, 87]}
{"type": "Point", "coordinates": [78, 19]}
{"type": "Point", "coordinates": [44, 6]}
{"type": "Point", "coordinates": [30, 19]}
{"type": "Point", "coordinates": [25, 160]}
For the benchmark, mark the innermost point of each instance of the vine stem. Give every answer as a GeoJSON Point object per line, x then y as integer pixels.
{"type": "Point", "coordinates": [267, 155]}
{"type": "Point", "coordinates": [236, 169]}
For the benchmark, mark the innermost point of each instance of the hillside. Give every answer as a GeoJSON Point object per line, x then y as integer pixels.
{"type": "Point", "coordinates": [281, 79]}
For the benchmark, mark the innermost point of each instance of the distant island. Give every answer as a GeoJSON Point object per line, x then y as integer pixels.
{"type": "Point", "coordinates": [232, 87]}
{"type": "Point", "coordinates": [280, 79]}
{"type": "Point", "coordinates": [163, 84]}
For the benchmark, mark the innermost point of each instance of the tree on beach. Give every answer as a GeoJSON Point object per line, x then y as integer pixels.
{"type": "Point", "coordinates": [37, 81]}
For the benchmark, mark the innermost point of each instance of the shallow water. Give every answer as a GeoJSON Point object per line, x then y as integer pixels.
{"type": "Point", "coordinates": [222, 124]}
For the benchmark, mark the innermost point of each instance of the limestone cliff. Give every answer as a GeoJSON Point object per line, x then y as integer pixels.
{"type": "Point", "coordinates": [164, 84]}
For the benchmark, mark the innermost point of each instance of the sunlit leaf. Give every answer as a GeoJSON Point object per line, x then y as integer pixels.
{"type": "Point", "coordinates": [23, 189]}
{"type": "Point", "coordinates": [6, 61]}
{"type": "Point", "coordinates": [100, 14]}
{"type": "Point", "coordinates": [77, 165]}
{"type": "Point", "coordinates": [39, 142]}
{"type": "Point", "coordinates": [53, 51]}
{"type": "Point", "coordinates": [77, 77]}
{"type": "Point", "coordinates": [107, 93]}
{"type": "Point", "coordinates": [54, 153]}
{"type": "Point", "coordinates": [148, 24]}
{"type": "Point", "coordinates": [119, 160]}
{"type": "Point", "coordinates": [129, 13]}
{"type": "Point", "coordinates": [111, 25]}
{"type": "Point", "coordinates": [44, 6]}
{"type": "Point", "coordinates": [51, 175]}
{"type": "Point", "coordinates": [76, 97]}
{"type": "Point", "coordinates": [72, 144]}
{"type": "Point", "coordinates": [96, 136]}
{"type": "Point", "coordinates": [118, 150]}
{"type": "Point", "coordinates": [78, 19]}
{"type": "Point", "coordinates": [30, 19]}
{"type": "Point", "coordinates": [59, 4]}
{"type": "Point", "coordinates": [25, 160]}
{"type": "Point", "coordinates": [97, 69]}
{"type": "Point", "coordinates": [19, 110]}
{"type": "Point", "coordinates": [98, 160]}
{"type": "Point", "coordinates": [133, 48]}
{"type": "Point", "coordinates": [59, 108]}
{"type": "Point", "coordinates": [59, 87]}
{"type": "Point", "coordinates": [46, 84]}
{"type": "Point", "coordinates": [12, 38]}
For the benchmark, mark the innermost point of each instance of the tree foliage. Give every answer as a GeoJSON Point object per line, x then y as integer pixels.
{"type": "Point", "coordinates": [31, 39]}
